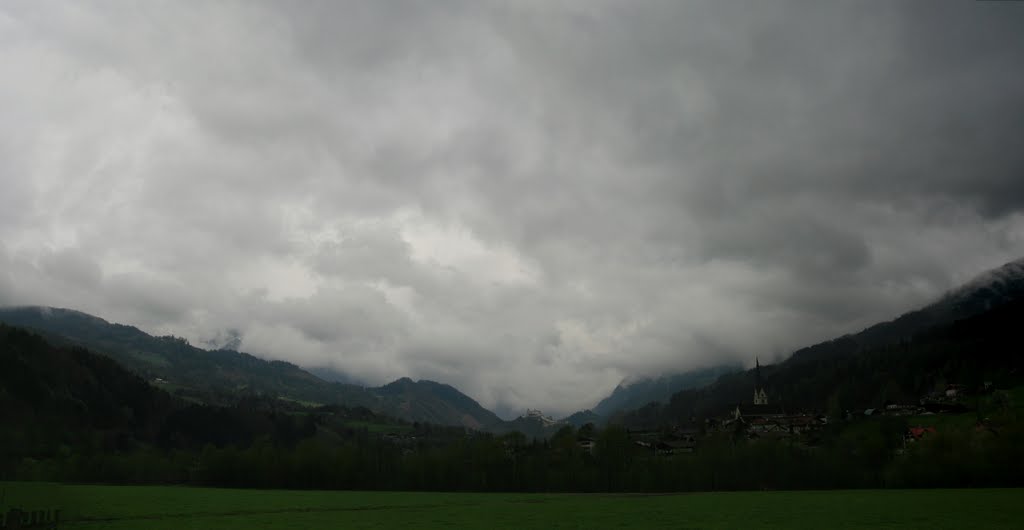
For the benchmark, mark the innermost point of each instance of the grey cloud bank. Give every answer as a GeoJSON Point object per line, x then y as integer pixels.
{"type": "Point", "coordinates": [527, 200]}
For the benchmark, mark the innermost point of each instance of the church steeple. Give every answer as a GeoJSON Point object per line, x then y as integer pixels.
{"type": "Point", "coordinates": [760, 396]}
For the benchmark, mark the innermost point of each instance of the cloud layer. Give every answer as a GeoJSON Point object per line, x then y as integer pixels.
{"type": "Point", "coordinates": [527, 200]}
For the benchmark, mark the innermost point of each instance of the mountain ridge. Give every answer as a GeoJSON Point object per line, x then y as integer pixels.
{"type": "Point", "coordinates": [897, 359]}
{"type": "Point", "coordinates": [981, 293]}
{"type": "Point", "coordinates": [207, 374]}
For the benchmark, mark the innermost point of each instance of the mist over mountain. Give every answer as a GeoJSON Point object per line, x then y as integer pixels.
{"type": "Point", "coordinates": [333, 376]}
{"type": "Point", "coordinates": [212, 375]}
{"type": "Point", "coordinates": [634, 394]}
{"type": "Point", "coordinates": [530, 201]}
{"type": "Point", "coordinates": [597, 247]}
{"type": "Point", "coordinates": [988, 290]}
{"type": "Point", "coordinates": [985, 291]}
{"type": "Point", "coordinates": [969, 336]}
{"type": "Point", "coordinates": [220, 375]}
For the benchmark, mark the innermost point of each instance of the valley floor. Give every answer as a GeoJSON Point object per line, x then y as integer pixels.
{"type": "Point", "coordinates": [158, 507]}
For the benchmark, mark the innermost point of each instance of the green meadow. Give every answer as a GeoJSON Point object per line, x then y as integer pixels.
{"type": "Point", "coordinates": [173, 507]}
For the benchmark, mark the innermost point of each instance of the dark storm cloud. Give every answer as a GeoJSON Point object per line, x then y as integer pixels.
{"type": "Point", "coordinates": [527, 200]}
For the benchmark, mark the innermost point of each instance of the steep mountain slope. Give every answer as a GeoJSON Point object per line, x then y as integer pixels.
{"type": "Point", "coordinates": [91, 419]}
{"type": "Point", "coordinates": [172, 359]}
{"type": "Point", "coordinates": [636, 394]}
{"type": "Point", "coordinates": [969, 336]}
{"type": "Point", "coordinates": [53, 395]}
{"type": "Point", "coordinates": [212, 375]}
{"type": "Point", "coordinates": [986, 291]}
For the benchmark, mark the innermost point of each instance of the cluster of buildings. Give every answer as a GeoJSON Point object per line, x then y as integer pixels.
{"type": "Point", "coordinates": [948, 400]}
{"type": "Point", "coordinates": [756, 420]}
{"type": "Point", "coordinates": [762, 419]}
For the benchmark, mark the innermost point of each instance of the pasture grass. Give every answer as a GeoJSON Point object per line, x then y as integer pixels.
{"type": "Point", "coordinates": [178, 507]}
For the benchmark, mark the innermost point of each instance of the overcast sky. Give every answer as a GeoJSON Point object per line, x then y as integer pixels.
{"type": "Point", "coordinates": [529, 200]}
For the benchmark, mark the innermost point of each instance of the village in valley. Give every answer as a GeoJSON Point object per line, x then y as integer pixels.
{"type": "Point", "coordinates": [763, 419]}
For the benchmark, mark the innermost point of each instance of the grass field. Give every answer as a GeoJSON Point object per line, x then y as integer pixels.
{"type": "Point", "coordinates": [124, 507]}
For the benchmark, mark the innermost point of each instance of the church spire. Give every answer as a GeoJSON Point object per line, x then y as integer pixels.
{"type": "Point", "coordinates": [760, 396]}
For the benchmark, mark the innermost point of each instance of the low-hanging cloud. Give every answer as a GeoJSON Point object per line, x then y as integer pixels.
{"type": "Point", "coordinates": [530, 201]}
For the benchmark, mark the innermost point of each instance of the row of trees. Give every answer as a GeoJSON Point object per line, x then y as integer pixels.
{"type": "Point", "coordinates": [866, 454]}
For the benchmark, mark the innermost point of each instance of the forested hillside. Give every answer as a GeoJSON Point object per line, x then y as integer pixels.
{"type": "Point", "coordinates": [865, 370]}
{"type": "Point", "coordinates": [219, 376]}
{"type": "Point", "coordinates": [635, 394]}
